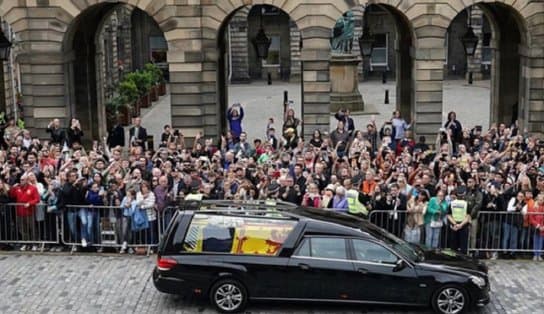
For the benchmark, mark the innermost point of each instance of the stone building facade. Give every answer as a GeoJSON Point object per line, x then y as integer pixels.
{"type": "Point", "coordinates": [195, 30]}
{"type": "Point", "coordinates": [382, 26]}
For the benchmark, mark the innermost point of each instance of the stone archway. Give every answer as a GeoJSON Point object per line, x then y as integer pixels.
{"type": "Point", "coordinates": [315, 54]}
{"type": "Point", "coordinates": [502, 36]}
{"type": "Point", "coordinates": [235, 42]}
{"type": "Point", "coordinates": [102, 44]}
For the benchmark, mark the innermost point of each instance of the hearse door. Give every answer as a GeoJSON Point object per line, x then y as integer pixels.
{"type": "Point", "coordinates": [376, 266]}
{"type": "Point", "coordinates": [320, 269]}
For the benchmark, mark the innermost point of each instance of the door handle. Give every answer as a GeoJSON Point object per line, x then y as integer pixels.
{"type": "Point", "coordinates": [362, 271]}
{"type": "Point", "coordinates": [304, 266]}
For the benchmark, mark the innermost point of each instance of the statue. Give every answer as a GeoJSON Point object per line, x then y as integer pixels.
{"type": "Point", "coordinates": [342, 34]}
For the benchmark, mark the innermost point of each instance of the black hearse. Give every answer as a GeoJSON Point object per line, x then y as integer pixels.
{"type": "Point", "coordinates": [233, 253]}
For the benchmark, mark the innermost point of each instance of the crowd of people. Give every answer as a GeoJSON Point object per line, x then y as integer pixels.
{"type": "Point", "coordinates": [470, 188]}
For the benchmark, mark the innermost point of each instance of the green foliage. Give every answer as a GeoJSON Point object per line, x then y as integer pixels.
{"type": "Point", "coordinates": [128, 92]}
{"type": "Point", "coordinates": [155, 72]}
{"type": "Point", "coordinates": [142, 80]}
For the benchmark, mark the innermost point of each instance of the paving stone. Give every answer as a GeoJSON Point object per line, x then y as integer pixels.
{"type": "Point", "coordinates": [122, 284]}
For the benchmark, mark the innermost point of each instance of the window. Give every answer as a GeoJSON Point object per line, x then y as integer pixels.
{"type": "Point", "coordinates": [379, 51]}
{"type": "Point", "coordinates": [158, 47]}
{"type": "Point", "coordinates": [273, 51]}
{"type": "Point", "coordinates": [367, 251]}
{"type": "Point", "coordinates": [236, 235]}
{"type": "Point", "coordinates": [324, 248]}
{"type": "Point", "coordinates": [486, 49]}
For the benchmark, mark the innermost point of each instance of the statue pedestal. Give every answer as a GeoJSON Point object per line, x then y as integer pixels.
{"type": "Point", "coordinates": [344, 83]}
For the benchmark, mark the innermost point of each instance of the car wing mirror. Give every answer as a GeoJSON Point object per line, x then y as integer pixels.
{"type": "Point", "coordinates": [399, 265]}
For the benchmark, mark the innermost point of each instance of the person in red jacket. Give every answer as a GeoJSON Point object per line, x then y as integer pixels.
{"type": "Point", "coordinates": [536, 220]}
{"type": "Point", "coordinates": [26, 196]}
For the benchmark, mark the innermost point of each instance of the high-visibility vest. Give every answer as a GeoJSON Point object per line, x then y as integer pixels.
{"type": "Point", "coordinates": [354, 206]}
{"type": "Point", "coordinates": [193, 197]}
{"type": "Point", "coordinates": [458, 210]}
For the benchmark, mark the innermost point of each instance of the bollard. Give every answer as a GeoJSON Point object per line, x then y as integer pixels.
{"type": "Point", "coordinates": [285, 101]}
{"type": "Point", "coordinates": [386, 101]}
{"type": "Point", "coordinates": [384, 77]}
{"type": "Point", "coordinates": [269, 78]}
{"type": "Point", "coordinates": [470, 78]}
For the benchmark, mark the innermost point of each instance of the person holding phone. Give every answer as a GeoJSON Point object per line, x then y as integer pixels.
{"type": "Point", "coordinates": [235, 115]}
{"type": "Point", "coordinates": [56, 132]}
{"type": "Point", "coordinates": [74, 133]}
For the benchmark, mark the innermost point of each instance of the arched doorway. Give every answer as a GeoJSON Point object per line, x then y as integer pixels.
{"type": "Point", "coordinates": [386, 75]}
{"type": "Point", "coordinates": [259, 84]}
{"type": "Point", "coordinates": [102, 44]}
{"type": "Point", "coordinates": [492, 90]}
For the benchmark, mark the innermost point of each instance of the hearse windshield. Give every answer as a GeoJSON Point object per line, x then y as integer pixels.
{"type": "Point", "coordinates": [407, 250]}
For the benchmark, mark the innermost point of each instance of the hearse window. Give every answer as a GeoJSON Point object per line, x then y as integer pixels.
{"type": "Point", "coordinates": [323, 247]}
{"type": "Point", "coordinates": [236, 235]}
{"type": "Point", "coordinates": [367, 251]}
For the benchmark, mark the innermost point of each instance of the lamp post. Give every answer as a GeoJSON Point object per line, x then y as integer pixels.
{"type": "Point", "coordinates": [5, 47]}
{"type": "Point", "coordinates": [366, 41]}
{"type": "Point", "coordinates": [261, 42]}
{"type": "Point", "coordinates": [470, 42]}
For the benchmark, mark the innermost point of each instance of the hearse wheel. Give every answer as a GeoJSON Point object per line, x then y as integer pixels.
{"type": "Point", "coordinates": [450, 299]}
{"type": "Point", "coordinates": [228, 296]}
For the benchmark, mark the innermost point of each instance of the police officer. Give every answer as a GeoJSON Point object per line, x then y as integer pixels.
{"type": "Point", "coordinates": [195, 194]}
{"type": "Point", "coordinates": [355, 200]}
{"type": "Point", "coordinates": [459, 220]}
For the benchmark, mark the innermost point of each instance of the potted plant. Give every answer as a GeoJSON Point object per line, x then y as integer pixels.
{"type": "Point", "coordinates": [116, 111]}
{"type": "Point", "coordinates": [143, 82]}
{"type": "Point", "coordinates": [156, 75]}
{"type": "Point", "coordinates": [128, 93]}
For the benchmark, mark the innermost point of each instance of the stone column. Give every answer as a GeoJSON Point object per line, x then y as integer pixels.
{"type": "Point", "coordinates": [533, 74]}
{"type": "Point", "coordinates": [38, 52]}
{"type": "Point", "coordinates": [429, 59]}
{"type": "Point", "coordinates": [295, 51]}
{"type": "Point", "coordinates": [316, 86]}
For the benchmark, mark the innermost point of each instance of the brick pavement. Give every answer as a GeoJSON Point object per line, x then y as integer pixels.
{"type": "Point", "coordinates": [121, 284]}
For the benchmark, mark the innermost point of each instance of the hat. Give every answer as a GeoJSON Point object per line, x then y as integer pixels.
{"type": "Point", "coordinates": [273, 188]}
{"type": "Point", "coordinates": [330, 187]}
{"type": "Point", "coordinates": [461, 190]}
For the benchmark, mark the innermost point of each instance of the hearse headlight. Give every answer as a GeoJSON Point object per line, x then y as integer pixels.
{"type": "Point", "coordinates": [478, 281]}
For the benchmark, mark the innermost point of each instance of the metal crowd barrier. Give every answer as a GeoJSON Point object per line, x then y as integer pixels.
{"type": "Point", "coordinates": [35, 227]}
{"type": "Point", "coordinates": [112, 227]}
{"type": "Point", "coordinates": [501, 232]}
{"type": "Point", "coordinates": [396, 222]}
{"type": "Point", "coordinates": [508, 232]}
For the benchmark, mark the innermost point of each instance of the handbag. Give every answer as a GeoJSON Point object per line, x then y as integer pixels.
{"type": "Point", "coordinates": [139, 220]}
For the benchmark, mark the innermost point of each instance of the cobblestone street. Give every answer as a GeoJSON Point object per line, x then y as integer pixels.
{"type": "Point", "coordinates": [113, 284]}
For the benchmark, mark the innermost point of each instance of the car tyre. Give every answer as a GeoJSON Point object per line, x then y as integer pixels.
{"type": "Point", "coordinates": [228, 296]}
{"type": "Point", "coordinates": [450, 299]}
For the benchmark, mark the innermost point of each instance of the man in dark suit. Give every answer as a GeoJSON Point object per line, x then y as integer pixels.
{"type": "Point", "coordinates": [138, 134]}
{"type": "Point", "coordinates": [116, 136]}
{"type": "Point", "coordinates": [343, 115]}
